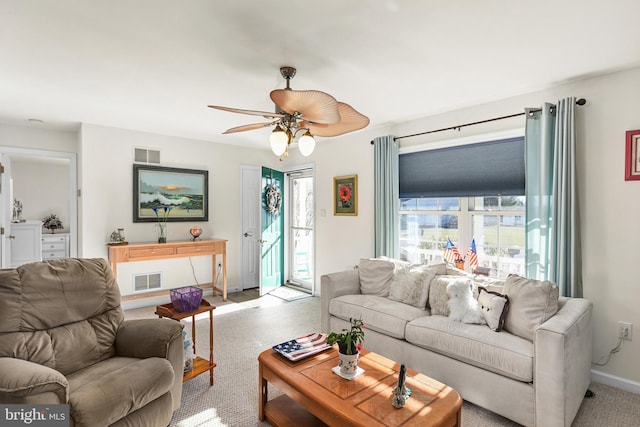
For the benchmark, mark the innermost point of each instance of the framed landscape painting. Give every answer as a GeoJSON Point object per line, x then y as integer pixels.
{"type": "Point", "coordinates": [345, 195]}
{"type": "Point", "coordinates": [180, 194]}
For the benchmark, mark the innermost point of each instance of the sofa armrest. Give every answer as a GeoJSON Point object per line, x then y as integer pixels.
{"type": "Point", "coordinates": [22, 381]}
{"type": "Point", "coordinates": [334, 285]}
{"type": "Point", "coordinates": [144, 338]}
{"type": "Point", "coordinates": [562, 363]}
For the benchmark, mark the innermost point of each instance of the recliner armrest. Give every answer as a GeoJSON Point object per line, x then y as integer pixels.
{"type": "Point", "coordinates": [144, 338]}
{"type": "Point", "coordinates": [22, 381]}
{"type": "Point", "coordinates": [334, 285]}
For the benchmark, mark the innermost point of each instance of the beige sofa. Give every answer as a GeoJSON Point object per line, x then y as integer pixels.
{"type": "Point", "coordinates": [539, 382]}
{"type": "Point", "coordinates": [64, 340]}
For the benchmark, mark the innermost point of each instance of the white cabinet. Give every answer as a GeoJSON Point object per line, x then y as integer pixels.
{"type": "Point", "coordinates": [55, 246]}
{"type": "Point", "coordinates": [26, 242]}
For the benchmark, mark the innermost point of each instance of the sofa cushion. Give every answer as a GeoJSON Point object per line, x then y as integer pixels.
{"type": "Point", "coordinates": [107, 391]}
{"type": "Point", "coordinates": [378, 313]}
{"type": "Point", "coordinates": [477, 345]}
{"type": "Point", "coordinates": [411, 286]}
{"type": "Point", "coordinates": [494, 308]}
{"type": "Point", "coordinates": [531, 303]}
{"type": "Point", "coordinates": [375, 276]}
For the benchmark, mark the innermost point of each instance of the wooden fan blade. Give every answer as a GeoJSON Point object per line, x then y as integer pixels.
{"type": "Point", "coordinates": [265, 114]}
{"type": "Point", "coordinates": [249, 127]}
{"type": "Point", "coordinates": [350, 120]}
{"type": "Point", "coordinates": [313, 105]}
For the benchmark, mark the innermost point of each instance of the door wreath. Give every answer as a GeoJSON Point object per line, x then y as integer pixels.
{"type": "Point", "coordinates": [273, 198]}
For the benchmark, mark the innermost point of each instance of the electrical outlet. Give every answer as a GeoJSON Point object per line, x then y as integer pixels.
{"type": "Point", "coordinates": [625, 330]}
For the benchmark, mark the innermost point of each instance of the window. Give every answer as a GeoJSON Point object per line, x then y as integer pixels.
{"type": "Point", "coordinates": [497, 223]}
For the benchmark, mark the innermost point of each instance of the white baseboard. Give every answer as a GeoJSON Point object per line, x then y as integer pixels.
{"type": "Point", "coordinates": [614, 381]}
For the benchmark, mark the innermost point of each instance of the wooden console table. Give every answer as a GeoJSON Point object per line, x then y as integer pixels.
{"type": "Point", "coordinates": [152, 251]}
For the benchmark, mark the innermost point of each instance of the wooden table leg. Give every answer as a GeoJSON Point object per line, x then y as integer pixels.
{"type": "Point", "coordinates": [263, 393]}
{"type": "Point", "coordinates": [211, 347]}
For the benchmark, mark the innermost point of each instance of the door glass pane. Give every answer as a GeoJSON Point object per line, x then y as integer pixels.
{"type": "Point", "coordinates": [301, 265]}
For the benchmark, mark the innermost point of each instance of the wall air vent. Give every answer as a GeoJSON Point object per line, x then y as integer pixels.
{"type": "Point", "coordinates": [146, 155]}
{"type": "Point", "coordinates": [147, 282]}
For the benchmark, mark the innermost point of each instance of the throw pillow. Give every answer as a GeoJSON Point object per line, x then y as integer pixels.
{"type": "Point", "coordinates": [411, 286]}
{"type": "Point", "coordinates": [531, 303]}
{"type": "Point", "coordinates": [494, 308]}
{"type": "Point", "coordinates": [438, 268]}
{"type": "Point", "coordinates": [375, 276]}
{"type": "Point", "coordinates": [438, 297]}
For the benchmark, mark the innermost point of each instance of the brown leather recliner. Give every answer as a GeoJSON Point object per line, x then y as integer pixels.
{"type": "Point", "coordinates": [64, 340]}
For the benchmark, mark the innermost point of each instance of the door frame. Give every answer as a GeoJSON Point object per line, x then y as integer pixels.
{"type": "Point", "coordinates": [7, 152]}
{"type": "Point", "coordinates": [287, 221]}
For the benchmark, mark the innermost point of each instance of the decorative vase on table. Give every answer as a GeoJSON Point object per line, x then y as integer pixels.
{"type": "Point", "coordinates": [161, 229]}
{"type": "Point", "coordinates": [162, 213]}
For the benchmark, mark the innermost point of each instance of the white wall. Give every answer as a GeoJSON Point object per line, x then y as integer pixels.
{"type": "Point", "coordinates": [42, 185]}
{"type": "Point", "coordinates": [106, 156]}
{"type": "Point", "coordinates": [40, 138]}
{"type": "Point", "coordinates": [609, 205]}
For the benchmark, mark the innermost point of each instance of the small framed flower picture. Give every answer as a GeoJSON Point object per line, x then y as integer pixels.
{"type": "Point", "coordinates": [632, 158]}
{"type": "Point", "coordinates": [345, 195]}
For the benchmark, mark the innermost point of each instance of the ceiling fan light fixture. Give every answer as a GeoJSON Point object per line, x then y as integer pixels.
{"type": "Point", "coordinates": [279, 140]}
{"type": "Point", "coordinates": [315, 112]}
{"type": "Point", "coordinates": [306, 144]}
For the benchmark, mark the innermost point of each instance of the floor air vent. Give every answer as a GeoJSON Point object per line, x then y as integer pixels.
{"type": "Point", "coordinates": [147, 282]}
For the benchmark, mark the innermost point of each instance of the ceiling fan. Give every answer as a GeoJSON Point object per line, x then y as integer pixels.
{"type": "Point", "coordinates": [297, 111]}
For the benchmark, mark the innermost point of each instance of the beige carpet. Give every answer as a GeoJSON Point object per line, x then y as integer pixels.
{"type": "Point", "coordinates": [243, 330]}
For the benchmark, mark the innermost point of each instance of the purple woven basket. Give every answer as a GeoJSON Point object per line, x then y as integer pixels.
{"type": "Point", "coordinates": [186, 299]}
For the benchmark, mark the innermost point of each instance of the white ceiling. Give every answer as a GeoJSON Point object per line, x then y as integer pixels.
{"type": "Point", "coordinates": [154, 65]}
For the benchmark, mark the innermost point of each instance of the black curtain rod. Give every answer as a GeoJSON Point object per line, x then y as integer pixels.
{"type": "Point", "coordinates": [580, 101]}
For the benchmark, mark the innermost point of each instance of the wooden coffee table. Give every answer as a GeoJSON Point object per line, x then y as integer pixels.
{"type": "Point", "coordinates": [315, 396]}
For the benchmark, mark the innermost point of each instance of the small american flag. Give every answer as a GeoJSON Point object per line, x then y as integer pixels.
{"type": "Point", "coordinates": [303, 347]}
{"type": "Point", "coordinates": [451, 252]}
{"type": "Point", "coordinates": [472, 254]}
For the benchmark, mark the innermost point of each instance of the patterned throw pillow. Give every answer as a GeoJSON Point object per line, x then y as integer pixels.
{"type": "Point", "coordinates": [494, 307]}
{"type": "Point", "coordinates": [411, 286]}
{"type": "Point", "coordinates": [438, 297]}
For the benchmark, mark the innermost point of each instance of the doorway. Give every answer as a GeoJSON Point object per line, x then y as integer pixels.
{"type": "Point", "coordinates": [300, 229]}
{"type": "Point", "coordinates": [29, 184]}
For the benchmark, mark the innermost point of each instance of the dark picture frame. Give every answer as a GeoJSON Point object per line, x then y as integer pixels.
{"type": "Point", "coordinates": [183, 192]}
{"type": "Point", "coordinates": [345, 195]}
{"type": "Point", "coordinates": [632, 157]}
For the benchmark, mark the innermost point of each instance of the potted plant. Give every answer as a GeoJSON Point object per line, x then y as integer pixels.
{"type": "Point", "coordinates": [349, 345]}
{"type": "Point", "coordinates": [52, 222]}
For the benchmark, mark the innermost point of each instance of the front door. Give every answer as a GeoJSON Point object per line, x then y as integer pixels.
{"type": "Point", "coordinates": [272, 271]}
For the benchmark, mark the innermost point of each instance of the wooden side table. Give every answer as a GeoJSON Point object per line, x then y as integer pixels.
{"type": "Point", "coordinates": [200, 365]}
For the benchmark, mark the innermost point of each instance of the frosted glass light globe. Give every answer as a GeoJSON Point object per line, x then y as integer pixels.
{"type": "Point", "coordinates": [306, 144]}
